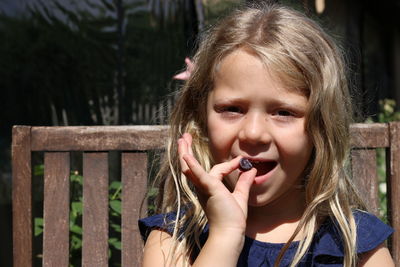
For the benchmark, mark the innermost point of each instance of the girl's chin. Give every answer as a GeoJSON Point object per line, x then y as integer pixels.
{"type": "Point", "coordinates": [256, 201]}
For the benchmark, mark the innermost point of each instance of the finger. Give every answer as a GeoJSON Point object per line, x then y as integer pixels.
{"type": "Point", "coordinates": [186, 148]}
{"type": "Point", "coordinates": [225, 168]}
{"type": "Point", "coordinates": [182, 150]}
{"type": "Point", "coordinates": [182, 76]}
{"type": "Point", "coordinates": [243, 186]}
{"type": "Point", "coordinates": [189, 65]}
{"type": "Point", "coordinates": [198, 174]}
{"type": "Point", "coordinates": [189, 140]}
{"type": "Point", "coordinates": [188, 61]}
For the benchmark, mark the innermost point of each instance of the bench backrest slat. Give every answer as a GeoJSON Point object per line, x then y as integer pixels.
{"type": "Point", "coordinates": [364, 173]}
{"type": "Point", "coordinates": [98, 138]}
{"type": "Point", "coordinates": [134, 142]}
{"type": "Point", "coordinates": [393, 181]}
{"type": "Point", "coordinates": [134, 183]}
{"type": "Point", "coordinates": [22, 196]}
{"type": "Point", "coordinates": [95, 209]}
{"type": "Point", "coordinates": [56, 209]}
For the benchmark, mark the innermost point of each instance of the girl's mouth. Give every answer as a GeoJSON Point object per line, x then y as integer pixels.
{"type": "Point", "coordinates": [263, 167]}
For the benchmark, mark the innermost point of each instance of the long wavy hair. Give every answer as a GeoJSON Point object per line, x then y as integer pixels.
{"type": "Point", "coordinates": [303, 57]}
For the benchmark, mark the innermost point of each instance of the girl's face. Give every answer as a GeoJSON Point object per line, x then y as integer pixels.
{"type": "Point", "coordinates": [249, 113]}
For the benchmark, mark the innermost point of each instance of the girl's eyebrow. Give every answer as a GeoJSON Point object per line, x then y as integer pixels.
{"type": "Point", "coordinates": [229, 99]}
{"type": "Point", "coordinates": [276, 101]}
{"type": "Point", "coordinates": [289, 103]}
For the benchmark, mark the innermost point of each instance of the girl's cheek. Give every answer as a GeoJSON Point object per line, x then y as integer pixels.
{"type": "Point", "coordinates": [293, 142]}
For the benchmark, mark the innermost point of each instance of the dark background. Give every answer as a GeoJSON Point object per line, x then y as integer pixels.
{"type": "Point", "coordinates": [111, 62]}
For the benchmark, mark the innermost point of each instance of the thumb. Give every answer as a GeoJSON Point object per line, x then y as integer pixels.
{"type": "Point", "coordinates": [243, 185]}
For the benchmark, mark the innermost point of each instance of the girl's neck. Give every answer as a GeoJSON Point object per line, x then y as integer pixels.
{"type": "Point", "coordinates": [276, 222]}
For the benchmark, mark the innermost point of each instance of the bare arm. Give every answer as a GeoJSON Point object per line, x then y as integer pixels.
{"type": "Point", "coordinates": [222, 249]}
{"type": "Point", "coordinates": [157, 248]}
{"type": "Point", "coordinates": [379, 256]}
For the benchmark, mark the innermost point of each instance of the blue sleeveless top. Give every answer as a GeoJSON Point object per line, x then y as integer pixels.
{"type": "Point", "coordinates": [326, 248]}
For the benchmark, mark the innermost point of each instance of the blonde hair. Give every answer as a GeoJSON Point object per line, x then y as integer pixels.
{"type": "Point", "coordinates": [304, 58]}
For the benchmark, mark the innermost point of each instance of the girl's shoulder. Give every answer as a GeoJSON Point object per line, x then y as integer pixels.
{"type": "Point", "coordinates": [371, 232]}
{"type": "Point", "coordinates": [163, 222]}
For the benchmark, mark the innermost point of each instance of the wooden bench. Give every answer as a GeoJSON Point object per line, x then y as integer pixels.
{"type": "Point", "coordinates": [134, 142]}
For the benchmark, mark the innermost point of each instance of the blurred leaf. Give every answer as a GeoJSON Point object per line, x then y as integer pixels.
{"type": "Point", "coordinates": [76, 242]}
{"type": "Point", "coordinates": [116, 227]}
{"type": "Point", "coordinates": [38, 226]}
{"type": "Point", "coordinates": [116, 206]}
{"type": "Point", "coordinates": [116, 185]}
{"type": "Point", "coordinates": [38, 170]}
{"type": "Point", "coordinates": [153, 191]}
{"type": "Point", "coordinates": [77, 207]}
{"type": "Point", "coordinates": [115, 243]}
{"type": "Point", "coordinates": [76, 178]}
{"type": "Point", "coordinates": [76, 229]}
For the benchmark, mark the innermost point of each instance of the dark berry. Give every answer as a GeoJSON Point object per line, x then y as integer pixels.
{"type": "Point", "coordinates": [245, 164]}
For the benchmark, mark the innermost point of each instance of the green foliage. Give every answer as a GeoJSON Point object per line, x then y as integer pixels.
{"type": "Point", "coordinates": [388, 111]}
{"type": "Point", "coordinates": [75, 218]}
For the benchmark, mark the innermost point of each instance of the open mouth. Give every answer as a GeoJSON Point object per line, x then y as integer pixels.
{"type": "Point", "coordinates": [263, 167]}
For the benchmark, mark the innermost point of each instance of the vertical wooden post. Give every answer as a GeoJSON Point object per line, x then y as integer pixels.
{"type": "Point", "coordinates": [134, 187]}
{"type": "Point", "coordinates": [394, 188]}
{"type": "Point", "coordinates": [95, 210]}
{"type": "Point", "coordinates": [363, 162]}
{"type": "Point", "coordinates": [22, 196]}
{"type": "Point", "coordinates": [56, 209]}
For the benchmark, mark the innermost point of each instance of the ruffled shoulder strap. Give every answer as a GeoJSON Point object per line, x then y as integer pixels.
{"type": "Point", "coordinates": [164, 222]}
{"type": "Point", "coordinates": [371, 232]}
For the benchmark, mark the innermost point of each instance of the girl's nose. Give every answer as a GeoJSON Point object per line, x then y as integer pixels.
{"type": "Point", "coordinates": [255, 130]}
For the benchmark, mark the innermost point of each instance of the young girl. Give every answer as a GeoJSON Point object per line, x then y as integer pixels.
{"type": "Point", "coordinates": [268, 85]}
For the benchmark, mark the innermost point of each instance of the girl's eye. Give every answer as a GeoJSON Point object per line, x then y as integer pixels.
{"type": "Point", "coordinates": [284, 113]}
{"type": "Point", "coordinates": [233, 109]}
{"type": "Point", "coordinates": [229, 109]}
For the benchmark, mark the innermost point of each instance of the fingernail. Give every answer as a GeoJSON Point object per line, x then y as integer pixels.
{"type": "Point", "coordinates": [245, 164]}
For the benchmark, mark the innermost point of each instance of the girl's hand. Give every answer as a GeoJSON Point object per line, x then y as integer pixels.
{"type": "Point", "coordinates": [225, 210]}
{"type": "Point", "coordinates": [186, 74]}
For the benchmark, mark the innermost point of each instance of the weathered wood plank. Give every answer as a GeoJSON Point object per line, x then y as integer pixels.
{"type": "Point", "coordinates": [143, 137]}
{"type": "Point", "coordinates": [95, 210]}
{"type": "Point", "coordinates": [56, 209]}
{"type": "Point", "coordinates": [134, 181]}
{"type": "Point", "coordinates": [394, 189]}
{"type": "Point", "coordinates": [363, 162]}
{"type": "Point", "coordinates": [369, 135]}
{"type": "Point", "coordinates": [22, 196]}
{"type": "Point", "coordinates": [98, 138]}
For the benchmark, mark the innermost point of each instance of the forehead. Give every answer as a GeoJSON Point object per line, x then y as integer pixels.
{"type": "Point", "coordinates": [247, 68]}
